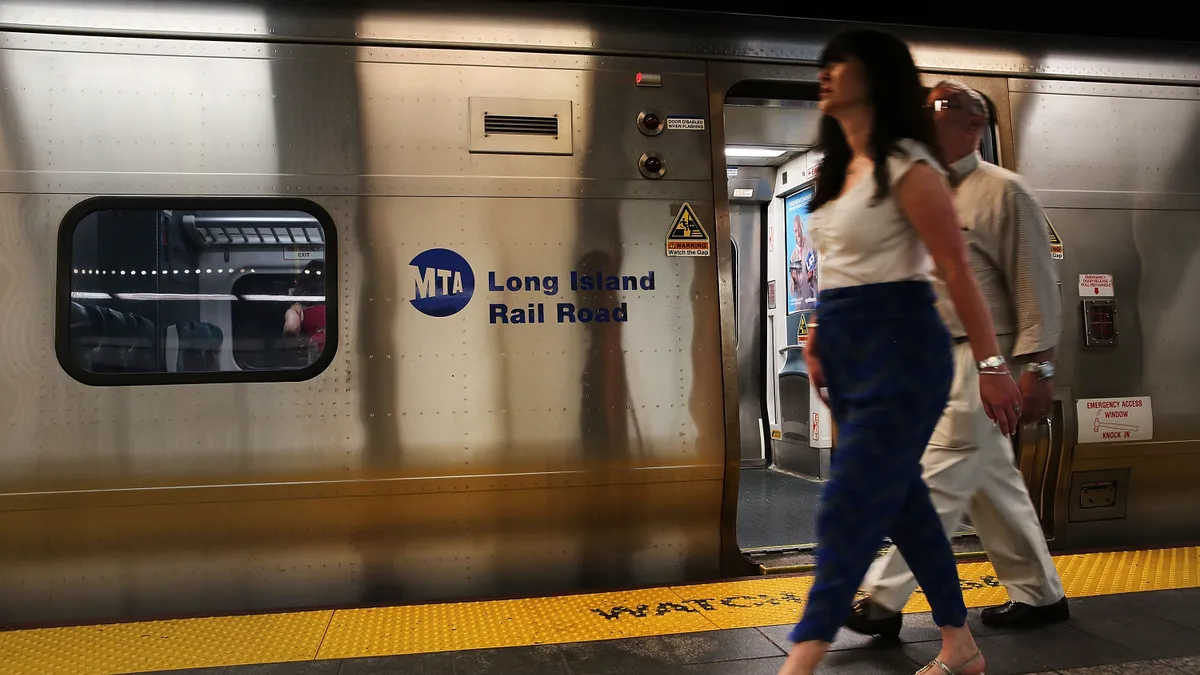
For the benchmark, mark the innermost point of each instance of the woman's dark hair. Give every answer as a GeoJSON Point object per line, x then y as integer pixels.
{"type": "Point", "coordinates": [311, 280]}
{"type": "Point", "coordinates": [895, 93]}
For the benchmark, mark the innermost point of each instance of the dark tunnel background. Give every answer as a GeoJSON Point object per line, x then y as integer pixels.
{"type": "Point", "coordinates": [1172, 21]}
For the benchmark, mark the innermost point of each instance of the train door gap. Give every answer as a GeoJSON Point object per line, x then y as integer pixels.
{"type": "Point", "coordinates": [770, 128]}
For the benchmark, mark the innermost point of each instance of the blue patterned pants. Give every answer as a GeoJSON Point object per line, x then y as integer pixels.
{"type": "Point", "coordinates": [887, 361]}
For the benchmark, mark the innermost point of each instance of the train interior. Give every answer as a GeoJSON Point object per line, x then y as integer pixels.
{"type": "Point", "coordinates": [201, 291]}
{"type": "Point", "coordinates": [786, 431]}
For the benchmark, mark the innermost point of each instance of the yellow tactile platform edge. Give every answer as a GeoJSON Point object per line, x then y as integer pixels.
{"type": "Point", "coordinates": [300, 636]}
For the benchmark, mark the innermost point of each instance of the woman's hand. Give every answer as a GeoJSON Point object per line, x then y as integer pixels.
{"type": "Point", "coordinates": [1001, 399]}
{"type": "Point", "coordinates": [815, 373]}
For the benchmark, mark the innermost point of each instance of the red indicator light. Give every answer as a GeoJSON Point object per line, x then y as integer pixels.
{"type": "Point", "coordinates": [648, 80]}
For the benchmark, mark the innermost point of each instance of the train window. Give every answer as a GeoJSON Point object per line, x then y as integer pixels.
{"type": "Point", "coordinates": [156, 291]}
{"type": "Point", "coordinates": [989, 143]}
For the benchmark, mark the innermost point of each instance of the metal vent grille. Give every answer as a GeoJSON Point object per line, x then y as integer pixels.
{"type": "Point", "coordinates": [520, 126]}
{"type": "Point", "coordinates": [523, 125]}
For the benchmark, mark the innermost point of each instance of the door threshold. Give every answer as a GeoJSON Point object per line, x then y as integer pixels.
{"type": "Point", "coordinates": [800, 558]}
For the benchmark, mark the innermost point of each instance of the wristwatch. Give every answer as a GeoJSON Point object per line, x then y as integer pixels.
{"type": "Point", "coordinates": [1043, 370]}
{"type": "Point", "coordinates": [990, 363]}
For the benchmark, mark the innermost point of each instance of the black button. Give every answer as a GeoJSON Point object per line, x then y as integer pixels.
{"type": "Point", "coordinates": [651, 121]}
{"type": "Point", "coordinates": [653, 164]}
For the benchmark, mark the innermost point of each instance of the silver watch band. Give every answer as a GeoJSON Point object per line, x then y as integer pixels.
{"type": "Point", "coordinates": [1043, 369]}
{"type": "Point", "coordinates": [991, 363]}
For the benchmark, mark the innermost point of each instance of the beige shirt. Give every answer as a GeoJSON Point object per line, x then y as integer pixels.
{"type": "Point", "coordinates": [1008, 245]}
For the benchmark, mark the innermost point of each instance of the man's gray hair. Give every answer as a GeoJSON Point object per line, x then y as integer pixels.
{"type": "Point", "coordinates": [971, 100]}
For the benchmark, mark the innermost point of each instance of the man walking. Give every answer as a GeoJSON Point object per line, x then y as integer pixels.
{"type": "Point", "coordinates": [969, 464]}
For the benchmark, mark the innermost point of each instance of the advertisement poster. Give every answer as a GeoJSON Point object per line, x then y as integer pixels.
{"type": "Point", "coordinates": [802, 266]}
{"type": "Point", "coordinates": [801, 254]}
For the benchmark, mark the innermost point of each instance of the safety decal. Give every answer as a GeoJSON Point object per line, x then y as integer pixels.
{"type": "Point", "coordinates": [685, 123]}
{"type": "Point", "coordinates": [802, 328]}
{"type": "Point", "coordinates": [1108, 420]}
{"type": "Point", "coordinates": [1096, 286]}
{"type": "Point", "coordinates": [687, 236]}
{"type": "Point", "coordinates": [1056, 245]}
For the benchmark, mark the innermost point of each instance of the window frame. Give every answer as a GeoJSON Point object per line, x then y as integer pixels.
{"type": "Point", "coordinates": [992, 135]}
{"type": "Point", "coordinates": [66, 237]}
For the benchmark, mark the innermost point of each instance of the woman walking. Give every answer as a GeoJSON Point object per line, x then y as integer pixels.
{"type": "Point", "coordinates": [884, 223]}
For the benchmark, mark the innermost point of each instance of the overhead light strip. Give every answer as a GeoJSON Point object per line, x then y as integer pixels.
{"type": "Point", "coordinates": [757, 153]}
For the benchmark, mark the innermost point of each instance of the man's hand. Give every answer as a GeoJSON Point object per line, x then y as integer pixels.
{"type": "Point", "coordinates": [1036, 395]}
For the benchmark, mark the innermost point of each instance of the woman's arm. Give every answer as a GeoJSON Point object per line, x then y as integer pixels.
{"type": "Point", "coordinates": [925, 200]}
{"type": "Point", "coordinates": [816, 374]}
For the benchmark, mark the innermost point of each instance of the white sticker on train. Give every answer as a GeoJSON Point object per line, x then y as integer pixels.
{"type": "Point", "coordinates": [1114, 420]}
{"type": "Point", "coordinates": [1095, 286]}
{"type": "Point", "coordinates": [685, 123]}
{"type": "Point", "coordinates": [293, 254]}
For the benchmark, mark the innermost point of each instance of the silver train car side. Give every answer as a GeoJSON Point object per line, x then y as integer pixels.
{"type": "Point", "coordinates": [519, 390]}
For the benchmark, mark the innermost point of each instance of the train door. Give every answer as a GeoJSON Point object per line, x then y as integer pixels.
{"type": "Point", "coordinates": [749, 195]}
{"type": "Point", "coordinates": [769, 126]}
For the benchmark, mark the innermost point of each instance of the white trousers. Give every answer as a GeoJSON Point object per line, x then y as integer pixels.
{"type": "Point", "coordinates": [969, 466]}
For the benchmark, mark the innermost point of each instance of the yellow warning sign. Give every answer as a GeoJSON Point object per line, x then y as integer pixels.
{"type": "Point", "coordinates": [687, 236]}
{"type": "Point", "coordinates": [1056, 245]}
{"type": "Point", "coordinates": [802, 329]}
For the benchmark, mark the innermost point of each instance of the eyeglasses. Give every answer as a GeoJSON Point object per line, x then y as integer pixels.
{"type": "Point", "coordinates": [941, 104]}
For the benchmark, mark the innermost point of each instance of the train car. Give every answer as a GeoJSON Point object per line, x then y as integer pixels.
{"type": "Point", "coordinates": [329, 306]}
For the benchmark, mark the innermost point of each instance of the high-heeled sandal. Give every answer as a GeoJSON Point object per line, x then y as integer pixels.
{"type": "Point", "coordinates": [947, 670]}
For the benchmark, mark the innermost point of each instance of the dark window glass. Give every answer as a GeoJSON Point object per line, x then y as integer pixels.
{"type": "Point", "coordinates": [197, 294]}
{"type": "Point", "coordinates": [987, 146]}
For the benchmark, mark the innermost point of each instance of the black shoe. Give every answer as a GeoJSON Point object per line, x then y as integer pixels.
{"type": "Point", "coordinates": [1020, 615]}
{"type": "Point", "coordinates": [869, 618]}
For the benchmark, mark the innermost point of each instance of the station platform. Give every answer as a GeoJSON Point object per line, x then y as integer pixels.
{"type": "Point", "coordinates": [1131, 611]}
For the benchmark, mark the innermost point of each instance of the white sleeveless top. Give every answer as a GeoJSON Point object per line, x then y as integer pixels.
{"type": "Point", "coordinates": [862, 244]}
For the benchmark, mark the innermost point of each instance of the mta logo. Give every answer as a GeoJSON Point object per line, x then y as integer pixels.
{"type": "Point", "coordinates": [443, 282]}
